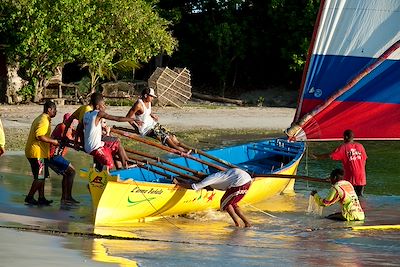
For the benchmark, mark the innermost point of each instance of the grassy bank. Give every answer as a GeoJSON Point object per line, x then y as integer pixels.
{"type": "Point", "coordinates": [201, 138]}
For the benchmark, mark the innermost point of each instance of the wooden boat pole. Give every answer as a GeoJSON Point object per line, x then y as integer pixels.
{"type": "Point", "coordinates": [201, 152]}
{"type": "Point", "coordinates": [181, 174]}
{"type": "Point", "coordinates": [143, 166]}
{"type": "Point", "coordinates": [158, 159]}
{"type": "Point", "coordinates": [299, 177]}
{"type": "Point", "coordinates": [136, 137]}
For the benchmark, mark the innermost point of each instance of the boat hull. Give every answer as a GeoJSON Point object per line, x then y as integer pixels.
{"type": "Point", "coordinates": [119, 202]}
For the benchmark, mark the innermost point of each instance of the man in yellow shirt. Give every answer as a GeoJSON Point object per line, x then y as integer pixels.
{"type": "Point", "coordinates": [37, 151]}
{"type": "Point", "coordinates": [77, 115]}
{"type": "Point", "coordinates": [2, 140]}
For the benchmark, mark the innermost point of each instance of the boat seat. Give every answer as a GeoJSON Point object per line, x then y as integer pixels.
{"type": "Point", "coordinates": [274, 151]}
{"type": "Point", "coordinates": [261, 165]}
{"type": "Point", "coordinates": [286, 148]}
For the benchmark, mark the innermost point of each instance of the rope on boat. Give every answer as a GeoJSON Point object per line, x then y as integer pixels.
{"type": "Point", "coordinates": [260, 210]}
{"type": "Point", "coordinates": [137, 185]}
{"type": "Point", "coordinates": [306, 167]}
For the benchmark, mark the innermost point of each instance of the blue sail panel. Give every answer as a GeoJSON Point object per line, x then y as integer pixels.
{"type": "Point", "coordinates": [354, 59]}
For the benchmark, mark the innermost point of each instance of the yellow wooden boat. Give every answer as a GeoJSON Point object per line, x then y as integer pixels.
{"type": "Point", "coordinates": [139, 194]}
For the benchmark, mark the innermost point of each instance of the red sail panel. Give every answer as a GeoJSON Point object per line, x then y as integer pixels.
{"type": "Point", "coordinates": [367, 120]}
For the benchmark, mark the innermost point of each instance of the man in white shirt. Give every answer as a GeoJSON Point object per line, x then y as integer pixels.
{"type": "Point", "coordinates": [235, 182]}
{"type": "Point", "coordinates": [103, 152]}
{"type": "Point", "coordinates": [146, 123]}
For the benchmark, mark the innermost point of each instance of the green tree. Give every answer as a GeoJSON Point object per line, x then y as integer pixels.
{"type": "Point", "coordinates": [44, 34]}
{"type": "Point", "coordinates": [131, 32]}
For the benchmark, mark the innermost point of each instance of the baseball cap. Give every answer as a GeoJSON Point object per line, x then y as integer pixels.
{"type": "Point", "coordinates": [151, 92]}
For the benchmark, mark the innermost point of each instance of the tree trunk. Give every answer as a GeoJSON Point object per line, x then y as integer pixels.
{"type": "Point", "coordinates": [14, 84]}
{"type": "Point", "coordinates": [39, 90]}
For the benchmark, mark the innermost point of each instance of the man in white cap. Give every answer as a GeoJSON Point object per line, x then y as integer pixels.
{"type": "Point", "coordinates": [146, 123]}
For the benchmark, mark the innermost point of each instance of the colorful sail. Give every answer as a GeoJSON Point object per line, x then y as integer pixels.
{"type": "Point", "coordinates": [352, 75]}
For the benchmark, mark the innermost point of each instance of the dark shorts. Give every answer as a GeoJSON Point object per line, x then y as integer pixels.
{"type": "Point", "coordinates": [336, 217]}
{"type": "Point", "coordinates": [160, 132]}
{"type": "Point", "coordinates": [359, 189]}
{"type": "Point", "coordinates": [40, 169]}
{"type": "Point", "coordinates": [233, 195]}
{"type": "Point", "coordinates": [59, 164]}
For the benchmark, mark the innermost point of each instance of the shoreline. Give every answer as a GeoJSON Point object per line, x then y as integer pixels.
{"type": "Point", "coordinates": [17, 119]}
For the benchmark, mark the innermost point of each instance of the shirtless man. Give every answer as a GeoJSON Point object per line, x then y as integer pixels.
{"type": "Point", "coordinates": [146, 123]}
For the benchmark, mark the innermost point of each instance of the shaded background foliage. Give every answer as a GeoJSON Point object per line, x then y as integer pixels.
{"type": "Point", "coordinates": [230, 46]}
{"type": "Point", "coordinates": [237, 46]}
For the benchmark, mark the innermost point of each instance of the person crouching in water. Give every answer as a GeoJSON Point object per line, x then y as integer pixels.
{"type": "Point", "coordinates": [235, 182]}
{"type": "Point", "coordinates": [343, 192]}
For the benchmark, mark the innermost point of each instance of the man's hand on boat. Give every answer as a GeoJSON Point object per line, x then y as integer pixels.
{"type": "Point", "coordinates": [187, 185]}
{"type": "Point", "coordinates": [182, 184]}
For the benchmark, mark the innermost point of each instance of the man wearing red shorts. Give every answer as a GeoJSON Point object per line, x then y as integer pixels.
{"type": "Point", "coordinates": [102, 152]}
{"type": "Point", "coordinates": [235, 182]}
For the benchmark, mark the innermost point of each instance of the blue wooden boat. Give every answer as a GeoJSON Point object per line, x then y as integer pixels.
{"type": "Point", "coordinates": [145, 193]}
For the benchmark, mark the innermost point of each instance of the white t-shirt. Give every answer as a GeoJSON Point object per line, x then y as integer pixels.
{"type": "Point", "coordinates": [91, 131]}
{"type": "Point", "coordinates": [224, 180]}
{"type": "Point", "coordinates": [148, 121]}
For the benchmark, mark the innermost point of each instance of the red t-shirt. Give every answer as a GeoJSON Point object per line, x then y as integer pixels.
{"type": "Point", "coordinates": [57, 134]}
{"type": "Point", "coordinates": [353, 158]}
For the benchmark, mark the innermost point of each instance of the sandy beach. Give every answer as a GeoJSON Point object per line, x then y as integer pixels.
{"type": "Point", "coordinates": [214, 117]}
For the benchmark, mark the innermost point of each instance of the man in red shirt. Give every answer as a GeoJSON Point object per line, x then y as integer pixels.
{"type": "Point", "coordinates": [353, 157]}
{"type": "Point", "coordinates": [62, 166]}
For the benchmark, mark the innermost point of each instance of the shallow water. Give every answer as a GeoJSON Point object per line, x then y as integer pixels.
{"type": "Point", "coordinates": [290, 238]}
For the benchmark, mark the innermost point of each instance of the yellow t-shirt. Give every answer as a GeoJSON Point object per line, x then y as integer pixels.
{"type": "Point", "coordinates": [80, 112]}
{"type": "Point", "coordinates": [2, 136]}
{"type": "Point", "coordinates": [34, 148]}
